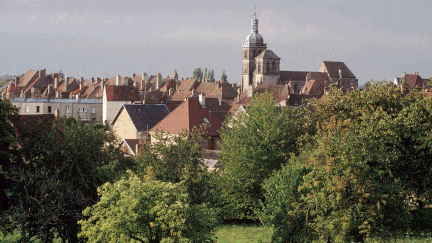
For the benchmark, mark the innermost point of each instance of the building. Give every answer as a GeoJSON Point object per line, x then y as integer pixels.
{"type": "Point", "coordinates": [261, 66]}
{"type": "Point", "coordinates": [115, 96]}
{"type": "Point", "coordinates": [189, 115]}
{"type": "Point", "coordinates": [82, 109]}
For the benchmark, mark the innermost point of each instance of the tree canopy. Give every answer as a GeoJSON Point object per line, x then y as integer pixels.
{"type": "Point", "coordinates": [255, 144]}
{"type": "Point", "coordinates": [360, 170]}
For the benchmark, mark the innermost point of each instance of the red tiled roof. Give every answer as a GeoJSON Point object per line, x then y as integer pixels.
{"type": "Point", "coordinates": [11, 87]}
{"type": "Point", "coordinates": [333, 69]}
{"type": "Point", "coordinates": [293, 75]}
{"type": "Point", "coordinates": [26, 78]}
{"type": "Point", "coordinates": [188, 115]}
{"type": "Point", "coordinates": [187, 84]}
{"type": "Point", "coordinates": [414, 81]}
{"type": "Point", "coordinates": [121, 93]}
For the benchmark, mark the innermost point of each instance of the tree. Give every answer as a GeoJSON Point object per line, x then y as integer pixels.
{"type": "Point", "coordinates": [146, 210]}
{"type": "Point", "coordinates": [359, 172]}
{"type": "Point", "coordinates": [255, 144]}
{"type": "Point", "coordinates": [212, 78]}
{"type": "Point", "coordinates": [7, 153]}
{"type": "Point", "coordinates": [167, 200]}
{"type": "Point", "coordinates": [56, 175]}
{"type": "Point", "coordinates": [224, 77]}
{"type": "Point", "coordinates": [197, 74]}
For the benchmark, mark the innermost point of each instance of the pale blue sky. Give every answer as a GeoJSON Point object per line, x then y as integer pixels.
{"type": "Point", "coordinates": [376, 39]}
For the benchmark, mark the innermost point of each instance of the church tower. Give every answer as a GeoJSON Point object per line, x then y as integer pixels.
{"type": "Point", "coordinates": [252, 48]}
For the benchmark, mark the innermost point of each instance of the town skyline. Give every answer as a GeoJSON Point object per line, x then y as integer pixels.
{"type": "Point", "coordinates": [376, 40]}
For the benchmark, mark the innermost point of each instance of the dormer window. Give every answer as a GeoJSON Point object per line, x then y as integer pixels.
{"type": "Point", "coordinates": [206, 121]}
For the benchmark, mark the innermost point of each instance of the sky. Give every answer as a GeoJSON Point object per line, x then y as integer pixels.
{"type": "Point", "coordinates": [376, 39]}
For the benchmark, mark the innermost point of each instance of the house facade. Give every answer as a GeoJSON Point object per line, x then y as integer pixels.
{"type": "Point", "coordinates": [82, 109]}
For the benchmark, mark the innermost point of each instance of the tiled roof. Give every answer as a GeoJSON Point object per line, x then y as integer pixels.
{"type": "Point", "coordinates": [298, 99]}
{"type": "Point", "coordinates": [11, 87]}
{"type": "Point", "coordinates": [26, 78]}
{"type": "Point", "coordinates": [267, 54]}
{"type": "Point", "coordinates": [131, 144]}
{"type": "Point", "coordinates": [144, 116]}
{"type": "Point", "coordinates": [121, 93]}
{"type": "Point", "coordinates": [414, 81]}
{"type": "Point", "coordinates": [293, 75]}
{"type": "Point", "coordinates": [180, 95]}
{"type": "Point", "coordinates": [188, 115]}
{"type": "Point", "coordinates": [187, 84]}
{"type": "Point", "coordinates": [332, 69]}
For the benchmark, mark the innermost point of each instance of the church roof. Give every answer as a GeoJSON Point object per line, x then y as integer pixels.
{"type": "Point", "coordinates": [267, 54]}
{"type": "Point", "coordinates": [332, 68]}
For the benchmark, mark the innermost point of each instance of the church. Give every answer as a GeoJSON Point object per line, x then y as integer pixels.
{"type": "Point", "coordinates": [261, 66]}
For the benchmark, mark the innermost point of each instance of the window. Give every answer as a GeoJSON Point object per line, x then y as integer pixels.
{"type": "Point", "coordinates": [211, 145]}
{"type": "Point", "coordinates": [26, 109]}
{"type": "Point", "coordinates": [67, 110]}
{"type": "Point", "coordinates": [93, 110]}
{"type": "Point", "coordinates": [83, 109]}
{"type": "Point", "coordinates": [37, 109]}
{"type": "Point", "coordinates": [206, 121]}
{"type": "Point", "coordinates": [49, 109]}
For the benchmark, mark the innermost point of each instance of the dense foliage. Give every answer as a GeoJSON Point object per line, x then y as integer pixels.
{"type": "Point", "coordinates": [365, 166]}
{"type": "Point", "coordinates": [256, 143]}
{"type": "Point", "coordinates": [168, 199]}
{"type": "Point", "coordinates": [55, 175]}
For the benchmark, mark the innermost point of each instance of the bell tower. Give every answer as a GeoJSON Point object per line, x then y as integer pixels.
{"type": "Point", "coordinates": [251, 48]}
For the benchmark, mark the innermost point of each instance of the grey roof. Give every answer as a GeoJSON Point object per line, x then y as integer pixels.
{"type": "Point", "coordinates": [44, 100]}
{"type": "Point", "coordinates": [267, 54]}
{"type": "Point", "coordinates": [145, 116]}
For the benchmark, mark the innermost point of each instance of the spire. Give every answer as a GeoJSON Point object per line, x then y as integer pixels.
{"type": "Point", "coordinates": [255, 23]}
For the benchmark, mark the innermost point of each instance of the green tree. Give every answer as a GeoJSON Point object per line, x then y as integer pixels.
{"type": "Point", "coordinates": [212, 78]}
{"type": "Point", "coordinates": [255, 144]}
{"type": "Point", "coordinates": [367, 161]}
{"type": "Point", "coordinates": [56, 176]}
{"type": "Point", "coordinates": [197, 74]}
{"type": "Point", "coordinates": [224, 77]}
{"type": "Point", "coordinates": [7, 153]}
{"type": "Point", "coordinates": [138, 209]}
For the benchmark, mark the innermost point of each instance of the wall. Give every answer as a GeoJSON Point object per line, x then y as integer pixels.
{"type": "Point", "coordinates": [124, 127]}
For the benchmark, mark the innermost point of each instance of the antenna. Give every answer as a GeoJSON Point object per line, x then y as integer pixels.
{"type": "Point", "coordinates": [255, 12]}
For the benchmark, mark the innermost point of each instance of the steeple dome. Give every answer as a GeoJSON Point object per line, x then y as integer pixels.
{"type": "Point", "coordinates": [254, 39]}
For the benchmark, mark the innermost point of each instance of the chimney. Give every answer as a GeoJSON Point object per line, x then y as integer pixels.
{"type": "Point", "coordinates": [40, 73]}
{"type": "Point", "coordinates": [250, 91]}
{"type": "Point", "coordinates": [308, 77]}
{"type": "Point", "coordinates": [340, 74]}
{"type": "Point", "coordinates": [170, 92]}
{"type": "Point", "coordinates": [218, 83]}
{"type": "Point", "coordinates": [403, 75]}
{"type": "Point", "coordinates": [143, 77]}
{"type": "Point", "coordinates": [80, 85]}
{"type": "Point", "coordinates": [92, 80]}
{"type": "Point", "coordinates": [287, 88]}
{"type": "Point", "coordinates": [81, 79]}
{"type": "Point", "coordinates": [66, 84]}
{"type": "Point", "coordinates": [220, 100]}
{"type": "Point", "coordinates": [133, 75]}
{"type": "Point", "coordinates": [15, 79]}
{"type": "Point", "coordinates": [201, 98]}
{"type": "Point", "coordinates": [158, 81]}
{"type": "Point", "coordinates": [126, 81]}
{"type": "Point", "coordinates": [175, 76]}
{"type": "Point", "coordinates": [118, 79]}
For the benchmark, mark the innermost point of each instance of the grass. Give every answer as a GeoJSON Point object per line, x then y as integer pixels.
{"type": "Point", "coordinates": [243, 233]}
{"type": "Point", "coordinates": [257, 233]}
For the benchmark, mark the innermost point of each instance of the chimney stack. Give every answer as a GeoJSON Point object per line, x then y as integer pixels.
{"type": "Point", "coordinates": [158, 81]}
{"type": "Point", "coordinates": [118, 79]}
{"type": "Point", "coordinates": [170, 92]}
{"type": "Point", "coordinates": [340, 74]}
{"type": "Point", "coordinates": [201, 99]}
{"type": "Point", "coordinates": [126, 81]}
{"type": "Point", "coordinates": [66, 84]}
